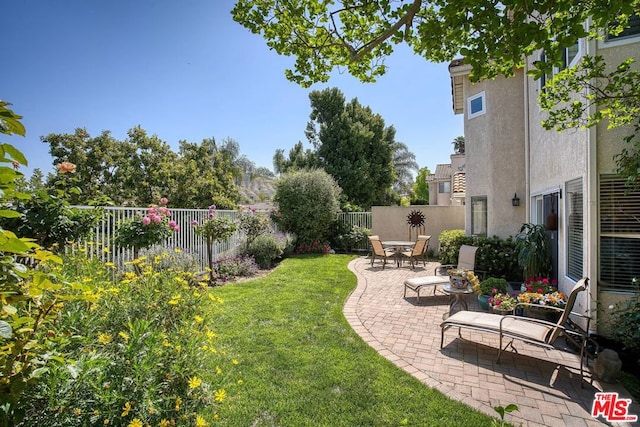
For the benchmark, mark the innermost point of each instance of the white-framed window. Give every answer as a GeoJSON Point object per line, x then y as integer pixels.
{"type": "Point", "coordinates": [619, 234]}
{"type": "Point", "coordinates": [479, 216]}
{"type": "Point", "coordinates": [444, 187]}
{"type": "Point", "coordinates": [632, 30]}
{"type": "Point", "coordinates": [476, 105]}
{"type": "Point", "coordinates": [575, 228]}
{"type": "Point", "coordinates": [570, 55]}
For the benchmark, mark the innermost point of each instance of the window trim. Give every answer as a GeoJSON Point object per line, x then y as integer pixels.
{"type": "Point", "coordinates": [472, 98]}
{"type": "Point", "coordinates": [444, 184]}
{"type": "Point", "coordinates": [481, 199]}
{"type": "Point", "coordinates": [572, 243]}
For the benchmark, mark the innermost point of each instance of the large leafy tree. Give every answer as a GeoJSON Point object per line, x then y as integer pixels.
{"type": "Point", "coordinates": [421, 188]}
{"type": "Point", "coordinates": [202, 176]}
{"type": "Point", "coordinates": [494, 36]}
{"type": "Point", "coordinates": [299, 158]}
{"type": "Point", "coordinates": [354, 146]}
{"type": "Point", "coordinates": [141, 169]}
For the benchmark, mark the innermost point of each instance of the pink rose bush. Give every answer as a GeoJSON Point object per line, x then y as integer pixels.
{"type": "Point", "coordinates": [143, 231]}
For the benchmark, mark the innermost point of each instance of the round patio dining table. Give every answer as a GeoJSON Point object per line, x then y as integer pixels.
{"type": "Point", "coordinates": [398, 245]}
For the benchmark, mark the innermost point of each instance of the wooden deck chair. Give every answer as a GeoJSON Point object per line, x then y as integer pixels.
{"type": "Point", "coordinates": [417, 252]}
{"type": "Point", "coordinates": [527, 329]}
{"type": "Point", "coordinates": [378, 251]}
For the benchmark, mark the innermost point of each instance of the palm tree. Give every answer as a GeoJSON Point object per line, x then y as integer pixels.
{"type": "Point", "coordinates": [458, 145]}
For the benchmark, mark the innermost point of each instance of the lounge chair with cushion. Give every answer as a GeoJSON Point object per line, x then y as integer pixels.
{"type": "Point", "coordinates": [466, 260]}
{"type": "Point", "coordinates": [527, 329]}
{"type": "Point", "coordinates": [378, 251]}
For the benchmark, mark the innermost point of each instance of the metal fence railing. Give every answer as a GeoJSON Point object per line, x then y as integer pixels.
{"type": "Point", "coordinates": [101, 244]}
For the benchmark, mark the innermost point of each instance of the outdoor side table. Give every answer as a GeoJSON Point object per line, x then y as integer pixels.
{"type": "Point", "coordinates": [458, 294]}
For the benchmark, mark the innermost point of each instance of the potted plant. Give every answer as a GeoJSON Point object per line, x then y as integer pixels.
{"type": "Point", "coordinates": [502, 303]}
{"type": "Point", "coordinates": [534, 250]}
{"type": "Point", "coordinates": [488, 287]}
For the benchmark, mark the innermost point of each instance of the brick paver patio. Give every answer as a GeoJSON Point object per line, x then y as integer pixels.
{"type": "Point", "coordinates": [545, 384]}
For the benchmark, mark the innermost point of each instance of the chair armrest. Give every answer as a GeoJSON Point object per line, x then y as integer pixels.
{"type": "Point", "coordinates": [445, 266]}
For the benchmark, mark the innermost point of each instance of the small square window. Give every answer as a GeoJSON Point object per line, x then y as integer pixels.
{"type": "Point", "coordinates": [444, 187]}
{"type": "Point", "coordinates": [476, 105]}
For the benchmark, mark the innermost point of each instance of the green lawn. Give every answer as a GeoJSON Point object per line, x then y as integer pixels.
{"type": "Point", "coordinates": [303, 365]}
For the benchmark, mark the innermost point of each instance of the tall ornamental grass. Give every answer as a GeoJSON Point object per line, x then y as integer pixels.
{"type": "Point", "coordinates": [144, 353]}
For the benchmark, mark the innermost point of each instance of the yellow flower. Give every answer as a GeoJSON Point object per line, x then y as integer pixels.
{"type": "Point", "coordinates": [220, 395]}
{"type": "Point", "coordinates": [104, 338]}
{"type": "Point", "coordinates": [198, 319]}
{"type": "Point", "coordinates": [106, 251]}
{"type": "Point", "coordinates": [106, 422]}
{"type": "Point", "coordinates": [211, 335]}
{"type": "Point", "coordinates": [164, 423]}
{"type": "Point", "coordinates": [195, 382]}
{"type": "Point", "coordinates": [123, 335]}
{"type": "Point", "coordinates": [177, 250]}
{"type": "Point", "coordinates": [175, 299]}
{"type": "Point", "coordinates": [135, 423]}
{"type": "Point", "coordinates": [218, 370]}
{"type": "Point", "coordinates": [126, 409]}
{"type": "Point", "coordinates": [240, 382]}
{"type": "Point", "coordinates": [200, 422]}
{"type": "Point", "coordinates": [178, 403]}
{"type": "Point", "coordinates": [235, 361]}
{"type": "Point", "coordinates": [77, 411]}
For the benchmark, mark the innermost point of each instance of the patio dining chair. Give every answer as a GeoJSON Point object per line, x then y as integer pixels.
{"type": "Point", "coordinates": [417, 251]}
{"type": "Point", "coordinates": [378, 251]}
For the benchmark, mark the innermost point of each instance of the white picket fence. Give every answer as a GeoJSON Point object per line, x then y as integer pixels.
{"type": "Point", "coordinates": [101, 244]}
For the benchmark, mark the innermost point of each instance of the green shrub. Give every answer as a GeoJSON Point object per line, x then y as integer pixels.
{"type": "Point", "coordinates": [228, 268]}
{"type": "Point", "coordinates": [307, 204]}
{"type": "Point", "coordinates": [48, 218]}
{"type": "Point", "coordinates": [496, 257]}
{"type": "Point", "coordinates": [144, 349]}
{"type": "Point", "coordinates": [450, 242]}
{"type": "Point", "coordinates": [489, 284]}
{"type": "Point", "coordinates": [174, 260]}
{"type": "Point", "coordinates": [346, 237]}
{"type": "Point", "coordinates": [265, 249]}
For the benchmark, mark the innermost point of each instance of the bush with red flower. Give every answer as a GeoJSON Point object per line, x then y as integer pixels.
{"type": "Point", "coordinates": [542, 291]}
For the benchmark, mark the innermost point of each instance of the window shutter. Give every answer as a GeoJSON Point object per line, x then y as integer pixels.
{"type": "Point", "coordinates": [619, 234]}
{"type": "Point", "coordinates": [575, 229]}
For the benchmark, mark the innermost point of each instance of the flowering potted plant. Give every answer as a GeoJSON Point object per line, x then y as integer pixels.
{"type": "Point", "coordinates": [145, 230]}
{"type": "Point", "coordinates": [542, 292]}
{"type": "Point", "coordinates": [502, 303]}
{"type": "Point", "coordinates": [489, 287]}
{"type": "Point", "coordinates": [462, 279]}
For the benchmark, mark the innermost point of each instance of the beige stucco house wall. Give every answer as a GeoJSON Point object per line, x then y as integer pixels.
{"type": "Point", "coordinates": [390, 222]}
{"type": "Point", "coordinates": [508, 151]}
{"type": "Point", "coordinates": [494, 149]}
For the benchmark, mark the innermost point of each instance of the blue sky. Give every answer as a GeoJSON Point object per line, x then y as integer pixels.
{"type": "Point", "coordinates": [187, 71]}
